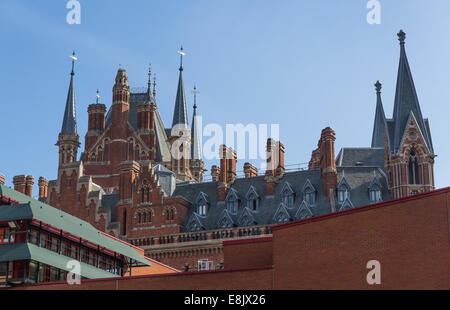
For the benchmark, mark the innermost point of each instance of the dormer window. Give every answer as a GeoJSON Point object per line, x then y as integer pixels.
{"type": "Point", "coordinates": [252, 203]}
{"type": "Point", "coordinates": [287, 195]}
{"type": "Point", "coordinates": [252, 199]}
{"type": "Point", "coordinates": [343, 191]}
{"type": "Point", "coordinates": [309, 193]}
{"type": "Point", "coordinates": [232, 205]}
{"type": "Point", "coordinates": [232, 201]}
{"type": "Point", "coordinates": [202, 204]}
{"type": "Point", "coordinates": [375, 190]}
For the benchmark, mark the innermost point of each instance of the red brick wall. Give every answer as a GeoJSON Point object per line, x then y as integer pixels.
{"type": "Point", "coordinates": [409, 238]}
{"type": "Point", "coordinates": [247, 253]}
{"type": "Point", "coordinates": [246, 279]}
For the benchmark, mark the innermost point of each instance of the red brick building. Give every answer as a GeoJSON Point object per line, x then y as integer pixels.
{"type": "Point", "coordinates": [128, 183]}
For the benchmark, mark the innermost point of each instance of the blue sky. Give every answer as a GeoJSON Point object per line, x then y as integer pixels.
{"type": "Point", "coordinates": [301, 64]}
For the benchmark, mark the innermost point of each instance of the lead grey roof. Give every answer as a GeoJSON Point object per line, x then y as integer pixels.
{"type": "Point", "coordinates": [69, 125]}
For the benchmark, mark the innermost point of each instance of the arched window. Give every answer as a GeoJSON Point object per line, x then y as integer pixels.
{"type": "Point", "coordinates": [413, 168]}
{"type": "Point", "coordinates": [149, 217]}
{"type": "Point", "coordinates": [139, 218]}
{"type": "Point", "coordinates": [144, 220]}
{"type": "Point", "coordinates": [142, 195]}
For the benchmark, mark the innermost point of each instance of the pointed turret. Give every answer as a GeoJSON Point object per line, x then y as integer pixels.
{"type": "Point", "coordinates": [406, 100]}
{"type": "Point", "coordinates": [69, 125]}
{"type": "Point", "coordinates": [379, 125]}
{"type": "Point", "coordinates": [180, 111]}
{"type": "Point", "coordinates": [196, 152]}
{"type": "Point", "coordinates": [68, 138]}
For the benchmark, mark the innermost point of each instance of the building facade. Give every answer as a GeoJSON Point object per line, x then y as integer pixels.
{"type": "Point", "coordinates": [128, 183]}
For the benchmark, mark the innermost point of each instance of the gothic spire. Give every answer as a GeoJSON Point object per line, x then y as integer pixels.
{"type": "Point", "coordinates": [69, 125]}
{"type": "Point", "coordinates": [180, 111]}
{"type": "Point", "coordinates": [196, 152]}
{"type": "Point", "coordinates": [406, 100]}
{"type": "Point", "coordinates": [379, 125]}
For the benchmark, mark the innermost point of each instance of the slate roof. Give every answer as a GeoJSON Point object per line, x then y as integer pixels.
{"type": "Point", "coordinates": [360, 156]}
{"type": "Point", "coordinates": [268, 205]}
{"type": "Point", "coordinates": [359, 180]}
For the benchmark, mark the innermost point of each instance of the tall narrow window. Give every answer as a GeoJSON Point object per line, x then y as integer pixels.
{"type": "Point", "coordinates": [413, 168]}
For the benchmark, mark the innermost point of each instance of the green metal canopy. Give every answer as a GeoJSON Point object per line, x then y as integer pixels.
{"type": "Point", "coordinates": [30, 208]}
{"type": "Point", "coordinates": [26, 251]}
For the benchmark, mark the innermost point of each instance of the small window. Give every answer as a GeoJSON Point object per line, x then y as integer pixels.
{"type": "Point", "coordinates": [201, 210]}
{"type": "Point", "coordinates": [288, 200]}
{"type": "Point", "coordinates": [375, 195]}
{"type": "Point", "coordinates": [252, 203]}
{"type": "Point", "coordinates": [310, 197]}
{"type": "Point", "coordinates": [342, 195]}
{"type": "Point", "coordinates": [232, 205]}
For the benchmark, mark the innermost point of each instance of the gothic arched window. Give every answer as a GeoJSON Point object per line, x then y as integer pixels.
{"type": "Point", "coordinates": [413, 168]}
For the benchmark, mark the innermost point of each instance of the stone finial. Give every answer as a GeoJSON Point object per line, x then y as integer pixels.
{"type": "Point", "coordinates": [378, 87]}
{"type": "Point", "coordinates": [401, 36]}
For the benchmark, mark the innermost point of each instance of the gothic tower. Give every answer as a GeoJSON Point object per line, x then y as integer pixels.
{"type": "Point", "coordinates": [409, 154]}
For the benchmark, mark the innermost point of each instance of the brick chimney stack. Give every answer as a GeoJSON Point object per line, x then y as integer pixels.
{"type": "Point", "coordinates": [19, 183]}
{"type": "Point", "coordinates": [275, 165]}
{"type": "Point", "coordinates": [215, 172]}
{"type": "Point", "coordinates": [43, 188]}
{"type": "Point", "coordinates": [227, 172]}
{"type": "Point", "coordinates": [327, 162]}
{"type": "Point", "coordinates": [29, 182]}
{"type": "Point", "coordinates": [228, 160]}
{"type": "Point", "coordinates": [2, 179]}
{"type": "Point", "coordinates": [24, 184]}
{"type": "Point", "coordinates": [314, 163]}
{"type": "Point", "coordinates": [250, 170]}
